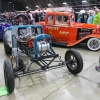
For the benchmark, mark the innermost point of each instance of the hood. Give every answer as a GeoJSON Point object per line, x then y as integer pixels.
{"type": "Point", "coordinates": [84, 25]}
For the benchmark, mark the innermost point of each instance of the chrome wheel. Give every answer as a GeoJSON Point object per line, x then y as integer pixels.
{"type": "Point", "coordinates": [93, 44]}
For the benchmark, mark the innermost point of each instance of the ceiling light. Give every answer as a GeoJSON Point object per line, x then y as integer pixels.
{"type": "Point", "coordinates": [49, 4]}
{"type": "Point", "coordinates": [27, 7]}
{"type": "Point", "coordinates": [37, 6]}
{"type": "Point", "coordinates": [64, 3]}
{"type": "Point", "coordinates": [10, 2]}
{"type": "Point", "coordinates": [84, 1]}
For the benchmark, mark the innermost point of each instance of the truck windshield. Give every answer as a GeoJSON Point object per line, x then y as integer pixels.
{"type": "Point", "coordinates": [50, 19]}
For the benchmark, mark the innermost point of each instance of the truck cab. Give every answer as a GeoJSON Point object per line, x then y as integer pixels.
{"type": "Point", "coordinates": [65, 31]}
{"type": "Point", "coordinates": [58, 26]}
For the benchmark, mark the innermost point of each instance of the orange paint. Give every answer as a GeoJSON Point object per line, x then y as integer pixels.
{"type": "Point", "coordinates": [68, 32]}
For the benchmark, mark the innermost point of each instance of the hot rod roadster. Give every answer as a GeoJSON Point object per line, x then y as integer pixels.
{"type": "Point", "coordinates": [37, 47]}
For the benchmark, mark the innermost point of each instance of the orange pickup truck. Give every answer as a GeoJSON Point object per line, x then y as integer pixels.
{"type": "Point", "coordinates": [65, 31]}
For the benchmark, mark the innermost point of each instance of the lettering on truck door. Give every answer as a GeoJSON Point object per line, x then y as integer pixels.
{"type": "Point", "coordinates": [49, 25]}
{"type": "Point", "coordinates": [63, 28]}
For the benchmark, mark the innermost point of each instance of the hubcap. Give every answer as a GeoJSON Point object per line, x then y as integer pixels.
{"type": "Point", "coordinates": [94, 44]}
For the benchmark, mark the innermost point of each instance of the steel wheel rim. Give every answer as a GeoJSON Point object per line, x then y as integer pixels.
{"type": "Point", "coordinates": [72, 61]}
{"type": "Point", "coordinates": [94, 44]}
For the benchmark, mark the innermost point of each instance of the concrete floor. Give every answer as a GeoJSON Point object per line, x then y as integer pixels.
{"type": "Point", "coordinates": [58, 84]}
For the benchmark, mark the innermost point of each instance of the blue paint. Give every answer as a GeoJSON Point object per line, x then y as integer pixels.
{"type": "Point", "coordinates": [12, 41]}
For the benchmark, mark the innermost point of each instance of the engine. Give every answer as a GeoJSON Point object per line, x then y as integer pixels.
{"type": "Point", "coordinates": [37, 45]}
{"type": "Point", "coordinates": [43, 46]}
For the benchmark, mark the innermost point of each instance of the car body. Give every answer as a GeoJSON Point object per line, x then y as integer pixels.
{"type": "Point", "coordinates": [3, 27]}
{"type": "Point", "coordinates": [8, 38]}
{"type": "Point", "coordinates": [65, 31]}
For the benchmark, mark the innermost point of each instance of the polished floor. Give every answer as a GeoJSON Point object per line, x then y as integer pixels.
{"type": "Point", "coordinates": [58, 84]}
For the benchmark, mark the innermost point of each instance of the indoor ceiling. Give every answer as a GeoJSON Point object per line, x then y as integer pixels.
{"type": "Point", "coordinates": [76, 4]}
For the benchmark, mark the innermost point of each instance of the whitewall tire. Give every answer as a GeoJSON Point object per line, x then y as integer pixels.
{"type": "Point", "coordinates": [93, 44]}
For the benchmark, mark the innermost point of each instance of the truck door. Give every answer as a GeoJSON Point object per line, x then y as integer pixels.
{"type": "Point", "coordinates": [49, 24]}
{"type": "Point", "coordinates": [63, 27]}
{"type": "Point", "coordinates": [58, 27]}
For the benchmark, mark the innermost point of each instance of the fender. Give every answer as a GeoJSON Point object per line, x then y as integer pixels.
{"type": "Point", "coordinates": [84, 38]}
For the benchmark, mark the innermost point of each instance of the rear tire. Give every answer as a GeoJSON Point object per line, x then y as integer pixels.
{"type": "Point", "coordinates": [9, 76]}
{"type": "Point", "coordinates": [75, 61]}
{"type": "Point", "coordinates": [7, 49]}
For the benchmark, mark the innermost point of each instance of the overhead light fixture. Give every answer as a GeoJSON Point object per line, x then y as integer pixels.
{"type": "Point", "coordinates": [49, 4]}
{"type": "Point", "coordinates": [64, 3]}
{"type": "Point", "coordinates": [27, 7]}
{"type": "Point", "coordinates": [84, 1]}
{"type": "Point", "coordinates": [10, 2]}
{"type": "Point", "coordinates": [37, 6]}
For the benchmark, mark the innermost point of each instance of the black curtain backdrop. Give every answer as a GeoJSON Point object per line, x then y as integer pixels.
{"type": "Point", "coordinates": [10, 5]}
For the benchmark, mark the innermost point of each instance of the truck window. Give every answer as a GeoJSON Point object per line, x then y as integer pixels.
{"type": "Point", "coordinates": [61, 20]}
{"type": "Point", "coordinates": [65, 19]}
{"type": "Point", "coordinates": [58, 19]}
{"type": "Point", "coordinates": [50, 19]}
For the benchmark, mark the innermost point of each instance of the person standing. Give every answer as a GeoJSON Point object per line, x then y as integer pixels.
{"type": "Point", "coordinates": [96, 19]}
{"type": "Point", "coordinates": [36, 17]}
{"type": "Point", "coordinates": [83, 16]}
{"type": "Point", "coordinates": [90, 18]}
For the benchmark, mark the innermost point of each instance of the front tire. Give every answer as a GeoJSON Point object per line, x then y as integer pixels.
{"type": "Point", "coordinates": [9, 76]}
{"type": "Point", "coordinates": [93, 44]}
{"type": "Point", "coordinates": [75, 61]}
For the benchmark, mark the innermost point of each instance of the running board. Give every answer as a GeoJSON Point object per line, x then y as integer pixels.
{"type": "Point", "coordinates": [60, 43]}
